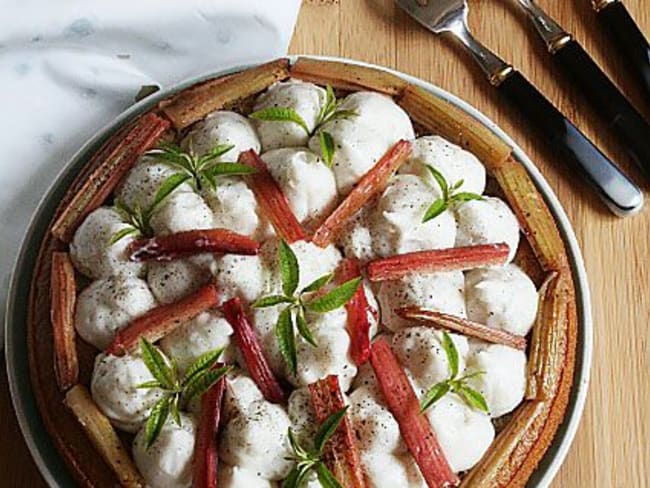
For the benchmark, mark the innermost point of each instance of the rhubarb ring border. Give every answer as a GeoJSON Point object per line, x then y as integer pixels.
{"type": "Point", "coordinates": [522, 443]}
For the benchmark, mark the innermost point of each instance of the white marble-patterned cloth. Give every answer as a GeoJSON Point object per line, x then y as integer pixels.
{"type": "Point", "coordinates": [68, 68]}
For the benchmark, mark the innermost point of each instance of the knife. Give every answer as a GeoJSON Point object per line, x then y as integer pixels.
{"type": "Point", "coordinates": [626, 36]}
{"type": "Point", "coordinates": [611, 105]}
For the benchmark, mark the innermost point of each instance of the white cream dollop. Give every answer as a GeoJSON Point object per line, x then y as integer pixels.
{"type": "Point", "coordinates": [182, 211]}
{"type": "Point", "coordinates": [501, 297]}
{"type": "Point", "coordinates": [361, 140]}
{"type": "Point", "coordinates": [235, 207]}
{"type": "Point", "coordinates": [236, 477]}
{"type": "Point", "coordinates": [442, 292]}
{"type": "Point", "coordinates": [241, 276]}
{"type": "Point", "coordinates": [222, 128]}
{"type": "Point", "coordinates": [306, 99]}
{"type": "Point", "coordinates": [331, 356]}
{"type": "Point", "coordinates": [487, 221]}
{"type": "Point", "coordinates": [307, 183]}
{"type": "Point", "coordinates": [398, 226]}
{"type": "Point", "coordinates": [140, 186]}
{"type": "Point", "coordinates": [452, 161]}
{"type": "Point", "coordinates": [174, 280]}
{"type": "Point", "coordinates": [503, 382]}
{"type": "Point", "coordinates": [204, 333]}
{"type": "Point", "coordinates": [254, 435]}
{"type": "Point", "coordinates": [91, 251]}
{"type": "Point", "coordinates": [107, 305]}
{"type": "Point", "coordinates": [168, 462]}
{"type": "Point", "coordinates": [114, 389]}
{"type": "Point", "coordinates": [419, 350]}
{"type": "Point", "coordinates": [464, 433]}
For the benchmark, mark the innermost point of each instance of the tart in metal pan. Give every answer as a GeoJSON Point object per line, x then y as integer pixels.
{"type": "Point", "coordinates": [526, 436]}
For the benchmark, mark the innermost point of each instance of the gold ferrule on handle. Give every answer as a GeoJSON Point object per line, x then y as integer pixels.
{"type": "Point", "coordinates": [498, 77]}
{"type": "Point", "coordinates": [598, 5]}
{"type": "Point", "coordinates": [557, 44]}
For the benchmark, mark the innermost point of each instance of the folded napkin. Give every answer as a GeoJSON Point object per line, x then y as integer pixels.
{"type": "Point", "coordinates": [69, 68]}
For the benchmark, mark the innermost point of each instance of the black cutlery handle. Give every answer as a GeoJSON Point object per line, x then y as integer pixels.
{"type": "Point", "coordinates": [620, 194]}
{"type": "Point", "coordinates": [623, 119]}
{"type": "Point", "coordinates": [629, 38]}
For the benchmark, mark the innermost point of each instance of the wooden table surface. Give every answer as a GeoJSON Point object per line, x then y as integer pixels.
{"type": "Point", "coordinates": [612, 447]}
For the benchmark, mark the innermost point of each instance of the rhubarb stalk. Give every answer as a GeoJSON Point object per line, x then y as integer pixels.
{"type": "Point", "coordinates": [206, 452]}
{"type": "Point", "coordinates": [370, 184]}
{"type": "Point", "coordinates": [63, 296]}
{"type": "Point", "coordinates": [455, 258]}
{"type": "Point", "coordinates": [340, 455]}
{"type": "Point", "coordinates": [251, 349]}
{"type": "Point", "coordinates": [272, 201]}
{"type": "Point", "coordinates": [359, 314]}
{"type": "Point", "coordinates": [419, 437]}
{"type": "Point", "coordinates": [160, 321]}
{"type": "Point", "coordinates": [463, 326]}
{"type": "Point", "coordinates": [191, 242]}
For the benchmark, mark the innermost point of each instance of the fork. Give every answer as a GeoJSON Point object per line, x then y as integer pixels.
{"type": "Point", "coordinates": [617, 191]}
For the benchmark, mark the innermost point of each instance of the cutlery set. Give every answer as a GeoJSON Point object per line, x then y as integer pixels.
{"type": "Point", "coordinates": [617, 191]}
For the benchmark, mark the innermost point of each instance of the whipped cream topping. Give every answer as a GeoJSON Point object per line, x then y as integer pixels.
{"type": "Point", "coordinates": [222, 128]}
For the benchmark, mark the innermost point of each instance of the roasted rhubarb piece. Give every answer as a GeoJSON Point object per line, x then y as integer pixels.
{"type": "Point", "coordinates": [454, 258]}
{"type": "Point", "coordinates": [160, 321]}
{"type": "Point", "coordinates": [370, 184]}
{"type": "Point", "coordinates": [414, 426]}
{"type": "Point", "coordinates": [340, 455]}
{"type": "Point", "coordinates": [271, 200]}
{"type": "Point", "coordinates": [463, 326]}
{"type": "Point", "coordinates": [112, 162]}
{"type": "Point", "coordinates": [206, 450]}
{"type": "Point", "coordinates": [63, 294]}
{"type": "Point", "coordinates": [101, 433]}
{"type": "Point", "coordinates": [251, 349]}
{"type": "Point", "coordinates": [359, 313]}
{"type": "Point", "coordinates": [191, 242]}
{"type": "Point", "coordinates": [196, 102]}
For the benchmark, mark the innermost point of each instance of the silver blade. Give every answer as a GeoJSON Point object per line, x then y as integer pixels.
{"type": "Point", "coordinates": [435, 15]}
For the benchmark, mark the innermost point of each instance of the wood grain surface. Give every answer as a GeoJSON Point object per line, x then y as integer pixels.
{"type": "Point", "coordinates": [612, 447]}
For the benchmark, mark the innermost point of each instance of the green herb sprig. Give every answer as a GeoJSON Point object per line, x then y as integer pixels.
{"type": "Point", "coordinates": [309, 460]}
{"type": "Point", "coordinates": [329, 111]}
{"type": "Point", "coordinates": [297, 304]}
{"type": "Point", "coordinates": [198, 378]}
{"type": "Point", "coordinates": [199, 171]}
{"type": "Point", "coordinates": [450, 195]}
{"type": "Point", "coordinates": [454, 384]}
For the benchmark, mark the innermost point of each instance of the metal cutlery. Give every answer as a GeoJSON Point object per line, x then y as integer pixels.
{"type": "Point", "coordinates": [610, 104]}
{"type": "Point", "coordinates": [618, 192]}
{"type": "Point", "coordinates": [626, 36]}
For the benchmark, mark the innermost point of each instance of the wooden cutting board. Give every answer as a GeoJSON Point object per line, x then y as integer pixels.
{"type": "Point", "coordinates": [612, 448]}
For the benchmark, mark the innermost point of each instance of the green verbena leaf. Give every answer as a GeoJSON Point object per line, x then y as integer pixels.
{"type": "Point", "coordinates": [435, 209]}
{"type": "Point", "coordinates": [216, 152]}
{"type": "Point", "coordinates": [203, 362]}
{"type": "Point", "coordinates": [465, 196]}
{"type": "Point", "coordinates": [121, 234]}
{"type": "Point", "coordinates": [473, 398]}
{"type": "Point", "coordinates": [440, 179]}
{"type": "Point", "coordinates": [157, 365]}
{"type": "Point", "coordinates": [201, 382]}
{"type": "Point", "coordinates": [336, 298]}
{"type": "Point", "coordinates": [175, 410]}
{"type": "Point", "coordinates": [458, 184]}
{"type": "Point", "coordinates": [327, 429]}
{"type": "Point", "coordinates": [149, 384]}
{"type": "Point", "coordinates": [156, 420]}
{"type": "Point", "coordinates": [435, 393]}
{"type": "Point", "coordinates": [286, 339]}
{"type": "Point", "coordinates": [317, 284]}
{"type": "Point", "coordinates": [303, 329]}
{"type": "Point", "coordinates": [228, 169]}
{"type": "Point", "coordinates": [451, 352]}
{"type": "Point", "coordinates": [173, 154]}
{"type": "Point", "coordinates": [289, 270]}
{"type": "Point", "coordinates": [271, 301]}
{"type": "Point", "coordinates": [327, 147]}
{"type": "Point", "coordinates": [341, 114]}
{"type": "Point", "coordinates": [325, 477]}
{"type": "Point", "coordinates": [280, 114]}
{"type": "Point", "coordinates": [168, 186]}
